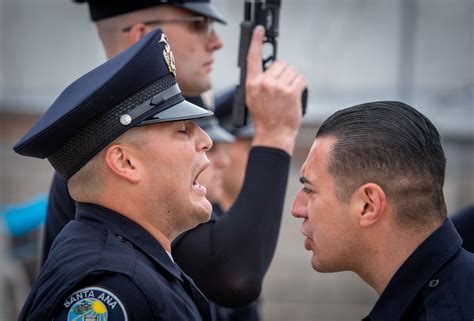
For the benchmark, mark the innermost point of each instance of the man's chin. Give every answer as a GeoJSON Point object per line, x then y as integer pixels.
{"type": "Point", "coordinates": [318, 267]}
{"type": "Point", "coordinates": [199, 216]}
{"type": "Point", "coordinates": [196, 88]}
{"type": "Point", "coordinates": [325, 267]}
{"type": "Point", "coordinates": [204, 212]}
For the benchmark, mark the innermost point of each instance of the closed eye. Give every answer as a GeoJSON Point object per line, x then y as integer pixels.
{"type": "Point", "coordinates": [183, 127]}
{"type": "Point", "coordinates": [306, 190]}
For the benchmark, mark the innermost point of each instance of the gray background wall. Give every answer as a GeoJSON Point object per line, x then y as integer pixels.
{"type": "Point", "coordinates": [353, 51]}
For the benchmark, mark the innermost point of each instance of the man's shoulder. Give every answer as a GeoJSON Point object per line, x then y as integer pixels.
{"type": "Point", "coordinates": [460, 271]}
{"type": "Point", "coordinates": [450, 291]}
{"type": "Point", "coordinates": [141, 296]}
{"type": "Point", "coordinates": [81, 252]}
{"type": "Point", "coordinates": [81, 247]}
{"type": "Point", "coordinates": [460, 267]}
{"type": "Point", "coordinates": [85, 248]}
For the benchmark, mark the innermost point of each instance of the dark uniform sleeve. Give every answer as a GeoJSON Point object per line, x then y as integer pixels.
{"type": "Point", "coordinates": [61, 210]}
{"type": "Point", "coordinates": [229, 257]}
{"type": "Point", "coordinates": [464, 222]}
{"type": "Point", "coordinates": [112, 297]}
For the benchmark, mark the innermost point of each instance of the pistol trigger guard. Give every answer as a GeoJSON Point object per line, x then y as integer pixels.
{"type": "Point", "coordinates": [267, 61]}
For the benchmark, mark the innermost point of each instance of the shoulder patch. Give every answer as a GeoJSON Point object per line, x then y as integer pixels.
{"type": "Point", "coordinates": [92, 304]}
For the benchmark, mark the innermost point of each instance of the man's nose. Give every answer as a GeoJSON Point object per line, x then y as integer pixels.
{"type": "Point", "coordinates": [214, 42]}
{"type": "Point", "coordinates": [203, 141]}
{"type": "Point", "coordinates": [299, 208]}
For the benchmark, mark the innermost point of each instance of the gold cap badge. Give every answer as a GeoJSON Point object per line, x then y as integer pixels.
{"type": "Point", "coordinates": [168, 55]}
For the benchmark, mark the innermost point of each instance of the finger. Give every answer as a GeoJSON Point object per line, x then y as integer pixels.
{"type": "Point", "coordinates": [289, 75]}
{"type": "Point", "coordinates": [276, 69]}
{"type": "Point", "coordinates": [254, 56]}
{"type": "Point", "coordinates": [299, 83]}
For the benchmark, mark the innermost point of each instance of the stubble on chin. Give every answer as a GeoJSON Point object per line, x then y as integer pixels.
{"type": "Point", "coordinates": [201, 215]}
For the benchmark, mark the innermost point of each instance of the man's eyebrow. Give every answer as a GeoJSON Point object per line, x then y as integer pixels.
{"type": "Point", "coordinates": [304, 180]}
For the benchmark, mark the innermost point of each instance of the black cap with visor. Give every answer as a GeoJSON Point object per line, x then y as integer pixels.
{"type": "Point", "coordinates": [135, 88]}
{"type": "Point", "coordinates": [102, 9]}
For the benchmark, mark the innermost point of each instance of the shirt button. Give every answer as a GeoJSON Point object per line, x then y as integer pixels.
{"type": "Point", "coordinates": [433, 283]}
{"type": "Point", "coordinates": [120, 238]}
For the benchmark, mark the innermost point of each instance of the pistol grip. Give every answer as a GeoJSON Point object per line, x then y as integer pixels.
{"type": "Point", "coordinates": [239, 110]}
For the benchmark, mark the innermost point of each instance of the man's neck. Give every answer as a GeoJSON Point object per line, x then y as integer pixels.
{"type": "Point", "coordinates": [139, 216]}
{"type": "Point", "coordinates": [379, 265]}
{"type": "Point", "coordinates": [158, 235]}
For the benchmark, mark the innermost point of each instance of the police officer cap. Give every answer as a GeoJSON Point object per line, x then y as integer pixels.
{"type": "Point", "coordinates": [211, 125]}
{"type": "Point", "coordinates": [137, 87]}
{"type": "Point", "coordinates": [101, 9]}
{"type": "Point", "coordinates": [218, 134]}
{"type": "Point", "coordinates": [223, 112]}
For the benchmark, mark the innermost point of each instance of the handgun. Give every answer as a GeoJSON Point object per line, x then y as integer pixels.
{"type": "Point", "coordinates": [267, 14]}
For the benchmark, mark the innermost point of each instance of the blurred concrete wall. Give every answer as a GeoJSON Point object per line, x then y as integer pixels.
{"type": "Point", "coordinates": [419, 51]}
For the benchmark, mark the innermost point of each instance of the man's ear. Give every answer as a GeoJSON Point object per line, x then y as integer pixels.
{"type": "Point", "coordinates": [370, 204]}
{"type": "Point", "coordinates": [121, 160]}
{"type": "Point", "coordinates": [137, 32]}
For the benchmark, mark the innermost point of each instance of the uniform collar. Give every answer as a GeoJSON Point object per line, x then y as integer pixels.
{"type": "Point", "coordinates": [124, 228]}
{"type": "Point", "coordinates": [416, 272]}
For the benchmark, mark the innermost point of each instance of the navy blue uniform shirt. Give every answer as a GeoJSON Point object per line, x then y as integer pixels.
{"type": "Point", "coordinates": [464, 222]}
{"type": "Point", "coordinates": [436, 283]}
{"type": "Point", "coordinates": [249, 312]}
{"type": "Point", "coordinates": [106, 267]}
{"type": "Point", "coordinates": [214, 253]}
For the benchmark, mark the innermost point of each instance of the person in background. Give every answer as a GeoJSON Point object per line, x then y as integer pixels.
{"type": "Point", "coordinates": [238, 151]}
{"type": "Point", "coordinates": [372, 203]}
{"type": "Point", "coordinates": [229, 269]}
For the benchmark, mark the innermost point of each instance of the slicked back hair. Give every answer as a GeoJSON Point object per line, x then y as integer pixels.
{"type": "Point", "coordinates": [395, 146]}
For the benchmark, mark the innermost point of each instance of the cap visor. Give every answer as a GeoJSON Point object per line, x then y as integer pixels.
{"type": "Point", "coordinates": [205, 9]}
{"type": "Point", "coordinates": [218, 134]}
{"type": "Point", "coordinates": [181, 111]}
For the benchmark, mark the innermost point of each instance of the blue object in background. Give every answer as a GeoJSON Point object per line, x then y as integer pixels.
{"type": "Point", "coordinates": [22, 218]}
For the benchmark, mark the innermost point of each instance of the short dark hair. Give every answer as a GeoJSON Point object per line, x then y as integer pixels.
{"type": "Point", "coordinates": [395, 146]}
